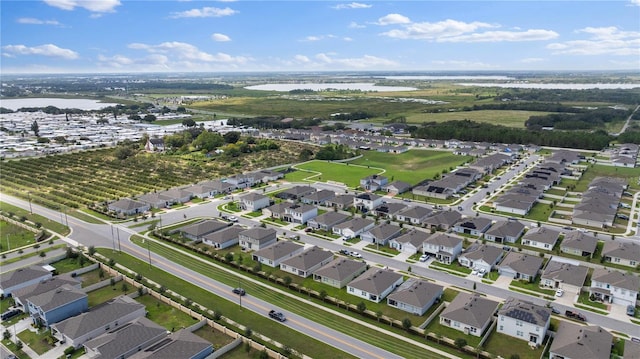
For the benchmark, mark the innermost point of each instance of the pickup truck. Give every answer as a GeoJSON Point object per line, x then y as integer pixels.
{"type": "Point", "coordinates": [575, 315]}
{"type": "Point", "coordinates": [277, 315]}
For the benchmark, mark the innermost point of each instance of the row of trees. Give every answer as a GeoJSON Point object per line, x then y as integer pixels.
{"type": "Point", "coordinates": [582, 121]}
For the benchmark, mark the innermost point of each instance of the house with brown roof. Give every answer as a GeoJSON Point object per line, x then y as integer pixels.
{"type": "Point", "coordinates": [411, 242]}
{"type": "Point", "coordinates": [274, 254]}
{"type": "Point", "coordinates": [415, 296]}
{"type": "Point", "coordinates": [573, 341]}
{"type": "Point", "coordinates": [520, 266]}
{"type": "Point", "coordinates": [375, 284]}
{"type": "Point", "coordinates": [563, 275]}
{"type": "Point", "coordinates": [579, 243]}
{"type": "Point", "coordinates": [469, 313]}
{"type": "Point", "coordinates": [623, 253]}
{"type": "Point", "coordinates": [305, 263]}
{"type": "Point", "coordinates": [339, 272]}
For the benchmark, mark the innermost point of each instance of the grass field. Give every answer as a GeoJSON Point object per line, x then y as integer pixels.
{"type": "Point", "coordinates": [339, 172]}
{"type": "Point", "coordinates": [509, 118]}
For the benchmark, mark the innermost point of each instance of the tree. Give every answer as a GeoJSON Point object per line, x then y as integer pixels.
{"type": "Point", "coordinates": [92, 250]}
{"type": "Point", "coordinates": [181, 109]}
{"type": "Point", "coordinates": [361, 307]}
{"type": "Point", "coordinates": [248, 332]}
{"type": "Point", "coordinates": [287, 280]}
{"type": "Point", "coordinates": [305, 155]}
{"type": "Point", "coordinates": [514, 356]}
{"type": "Point", "coordinates": [406, 324]}
{"type": "Point", "coordinates": [19, 345]}
{"type": "Point", "coordinates": [323, 294]}
{"type": "Point", "coordinates": [6, 334]}
{"type": "Point", "coordinates": [231, 137]}
{"type": "Point", "coordinates": [188, 122]}
{"type": "Point", "coordinates": [378, 314]}
{"type": "Point", "coordinates": [124, 287]}
{"type": "Point", "coordinates": [460, 343]}
{"type": "Point", "coordinates": [35, 128]}
{"type": "Point", "coordinates": [149, 118]}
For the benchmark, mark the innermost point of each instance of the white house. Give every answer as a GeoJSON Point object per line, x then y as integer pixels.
{"type": "Point", "coordinates": [353, 227]}
{"type": "Point", "coordinates": [300, 213]}
{"type": "Point", "coordinates": [469, 313]}
{"type": "Point", "coordinates": [614, 286]}
{"type": "Point", "coordinates": [367, 201]}
{"type": "Point", "coordinates": [444, 247]}
{"type": "Point", "coordinates": [480, 257]}
{"type": "Point", "coordinates": [410, 242]}
{"type": "Point", "coordinates": [274, 254]}
{"type": "Point", "coordinates": [524, 320]}
{"type": "Point", "coordinates": [375, 284]}
{"type": "Point", "coordinates": [307, 262]}
{"type": "Point", "coordinates": [415, 296]}
{"type": "Point", "coordinates": [541, 237]}
{"type": "Point", "coordinates": [254, 202]}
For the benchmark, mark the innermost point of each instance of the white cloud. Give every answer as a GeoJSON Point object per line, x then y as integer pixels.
{"type": "Point", "coordinates": [393, 19]}
{"type": "Point", "coordinates": [353, 5]}
{"type": "Point", "coordinates": [91, 5]}
{"type": "Point", "coordinates": [301, 58]}
{"type": "Point", "coordinates": [436, 30]}
{"type": "Point", "coordinates": [499, 36]}
{"type": "Point", "coordinates": [347, 38]}
{"type": "Point", "coordinates": [49, 50]}
{"type": "Point", "coordinates": [182, 51]}
{"type": "Point", "coordinates": [635, 2]}
{"type": "Point", "coordinates": [531, 60]}
{"type": "Point", "coordinates": [204, 12]}
{"type": "Point", "coordinates": [602, 41]}
{"type": "Point", "coordinates": [463, 64]}
{"type": "Point", "coordinates": [355, 25]}
{"type": "Point", "coordinates": [312, 38]}
{"type": "Point", "coordinates": [34, 21]}
{"type": "Point", "coordinates": [220, 37]}
{"type": "Point", "coordinates": [331, 61]}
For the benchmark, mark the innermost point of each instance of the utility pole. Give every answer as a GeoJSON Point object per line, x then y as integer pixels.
{"type": "Point", "coordinates": [240, 292]}
{"type": "Point", "coordinates": [118, 231]}
{"type": "Point", "coordinates": [149, 252]}
{"type": "Point", "coordinates": [113, 239]}
{"type": "Point", "coordinates": [30, 208]}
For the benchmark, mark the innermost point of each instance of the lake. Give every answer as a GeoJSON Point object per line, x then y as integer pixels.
{"type": "Point", "coordinates": [362, 86]}
{"type": "Point", "coordinates": [546, 86]}
{"type": "Point", "coordinates": [79, 103]}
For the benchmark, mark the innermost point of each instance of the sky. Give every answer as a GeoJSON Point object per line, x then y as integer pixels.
{"type": "Point", "coordinates": [120, 36]}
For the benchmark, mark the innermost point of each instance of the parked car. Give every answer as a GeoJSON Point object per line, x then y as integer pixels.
{"type": "Point", "coordinates": [308, 229]}
{"type": "Point", "coordinates": [555, 310]}
{"type": "Point", "coordinates": [239, 291]}
{"type": "Point", "coordinates": [345, 252]}
{"type": "Point", "coordinates": [575, 315]}
{"type": "Point", "coordinates": [559, 292]}
{"type": "Point", "coordinates": [631, 310]}
{"type": "Point", "coordinates": [232, 219]}
{"type": "Point", "coordinates": [355, 254]}
{"type": "Point", "coordinates": [277, 315]}
{"type": "Point", "coordinates": [10, 314]}
{"type": "Point", "coordinates": [424, 257]}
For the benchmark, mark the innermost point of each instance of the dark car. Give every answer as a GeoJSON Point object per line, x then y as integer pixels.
{"type": "Point", "coordinates": [10, 314]}
{"type": "Point", "coordinates": [239, 291]}
{"type": "Point", "coordinates": [277, 316]}
{"type": "Point", "coordinates": [345, 252]}
{"type": "Point", "coordinates": [555, 310]}
{"type": "Point", "coordinates": [631, 310]}
{"type": "Point", "coordinates": [575, 315]}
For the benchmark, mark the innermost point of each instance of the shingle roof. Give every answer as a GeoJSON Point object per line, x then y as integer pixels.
{"type": "Point", "coordinates": [181, 344]}
{"type": "Point", "coordinates": [576, 341]}
{"type": "Point", "coordinates": [204, 227]}
{"type": "Point", "coordinates": [522, 263]}
{"type": "Point", "coordinates": [10, 279]}
{"type": "Point", "coordinates": [385, 231]}
{"type": "Point", "coordinates": [444, 217]}
{"type": "Point", "coordinates": [566, 273]}
{"type": "Point", "coordinates": [474, 223]}
{"type": "Point", "coordinates": [416, 293]}
{"type": "Point", "coordinates": [581, 241]}
{"type": "Point", "coordinates": [470, 309]}
{"type": "Point", "coordinates": [616, 278]}
{"type": "Point", "coordinates": [444, 240]}
{"type": "Point", "coordinates": [45, 286]}
{"type": "Point", "coordinates": [309, 258]}
{"type": "Point", "coordinates": [476, 251]}
{"type": "Point", "coordinates": [525, 311]}
{"type": "Point", "coordinates": [355, 223]}
{"type": "Point", "coordinates": [224, 235]}
{"type": "Point", "coordinates": [624, 250]}
{"type": "Point", "coordinates": [57, 297]}
{"type": "Point", "coordinates": [340, 268]}
{"type": "Point", "coordinates": [330, 218]}
{"type": "Point", "coordinates": [417, 212]}
{"type": "Point", "coordinates": [126, 337]}
{"type": "Point", "coordinates": [253, 196]}
{"type": "Point", "coordinates": [259, 233]}
{"type": "Point", "coordinates": [506, 229]}
{"type": "Point", "coordinates": [375, 280]}
{"type": "Point", "coordinates": [415, 237]}
{"type": "Point", "coordinates": [278, 250]}
{"type": "Point", "coordinates": [127, 204]}
{"type": "Point", "coordinates": [542, 235]}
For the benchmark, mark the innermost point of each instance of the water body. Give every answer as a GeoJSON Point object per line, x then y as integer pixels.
{"type": "Point", "coordinates": [362, 86]}
{"type": "Point", "coordinates": [451, 77]}
{"type": "Point", "coordinates": [566, 86]}
{"type": "Point", "coordinates": [82, 104]}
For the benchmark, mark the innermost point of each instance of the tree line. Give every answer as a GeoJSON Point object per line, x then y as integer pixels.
{"type": "Point", "coordinates": [582, 121]}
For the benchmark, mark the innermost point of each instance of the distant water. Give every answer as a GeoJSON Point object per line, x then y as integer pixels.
{"type": "Point", "coordinates": [362, 86]}
{"type": "Point", "coordinates": [82, 104]}
{"type": "Point", "coordinates": [450, 77]}
{"type": "Point", "coordinates": [565, 86]}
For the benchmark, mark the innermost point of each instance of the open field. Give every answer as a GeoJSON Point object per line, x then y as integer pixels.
{"type": "Point", "coordinates": [339, 172]}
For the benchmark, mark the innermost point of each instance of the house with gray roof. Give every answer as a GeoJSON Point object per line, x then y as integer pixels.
{"type": "Point", "coordinates": [276, 210]}
{"type": "Point", "coordinates": [541, 237]}
{"type": "Point", "coordinates": [515, 202]}
{"type": "Point", "coordinates": [295, 193]}
{"type": "Point", "coordinates": [573, 341]}
{"type": "Point", "coordinates": [397, 187]}
{"type": "Point", "coordinates": [56, 305]}
{"type": "Point", "coordinates": [21, 295]}
{"type": "Point", "coordinates": [339, 272]}
{"type": "Point", "coordinates": [353, 227]}
{"type": "Point", "coordinates": [274, 254]}
{"type": "Point", "coordinates": [257, 238]}
{"type": "Point", "coordinates": [444, 247]}
{"type": "Point", "coordinates": [125, 339]}
{"type": "Point", "coordinates": [481, 257]}
{"type": "Point", "coordinates": [367, 201]}
{"type": "Point", "coordinates": [505, 232]}
{"type": "Point", "coordinates": [341, 202]}
{"type": "Point", "coordinates": [381, 234]}
{"type": "Point", "coordinates": [319, 198]}
{"type": "Point", "coordinates": [389, 210]}
{"type": "Point", "coordinates": [219, 187]}
{"type": "Point", "coordinates": [299, 213]}
{"type": "Point", "coordinates": [579, 243]}
{"type": "Point", "coordinates": [563, 275]}
{"type": "Point", "coordinates": [240, 181]}
{"type": "Point", "coordinates": [442, 220]}
{"type": "Point", "coordinates": [410, 242]}
{"type": "Point", "coordinates": [414, 215]}
{"type": "Point", "coordinates": [128, 206]}
{"type": "Point", "coordinates": [415, 296]}
{"type": "Point", "coordinates": [198, 230]}
{"type": "Point", "coordinates": [225, 238]}
{"type": "Point", "coordinates": [254, 202]}
{"type": "Point", "coordinates": [21, 278]}
{"type": "Point", "coordinates": [469, 313]}
{"type": "Point", "coordinates": [615, 286]}
{"type": "Point", "coordinates": [474, 226]}
{"type": "Point", "coordinates": [524, 320]}
{"type": "Point", "coordinates": [520, 266]}
{"type": "Point", "coordinates": [375, 284]}
{"type": "Point", "coordinates": [201, 190]}
{"type": "Point", "coordinates": [305, 263]}
{"type": "Point", "coordinates": [449, 185]}
{"type": "Point", "coordinates": [327, 220]}
{"type": "Point", "coordinates": [622, 253]}
{"type": "Point", "coordinates": [181, 344]}
{"type": "Point", "coordinates": [77, 330]}
{"type": "Point", "coordinates": [373, 182]}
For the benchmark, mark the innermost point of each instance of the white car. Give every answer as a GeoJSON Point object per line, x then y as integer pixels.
{"type": "Point", "coordinates": [559, 293]}
{"type": "Point", "coordinates": [474, 272]}
{"type": "Point", "coordinates": [232, 219]}
{"type": "Point", "coordinates": [355, 254]}
{"type": "Point", "coordinates": [424, 257]}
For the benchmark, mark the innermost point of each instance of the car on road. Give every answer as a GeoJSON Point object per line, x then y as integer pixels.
{"type": "Point", "coordinates": [575, 315]}
{"type": "Point", "coordinates": [345, 252]}
{"type": "Point", "coordinates": [555, 310]}
{"type": "Point", "coordinates": [239, 291]}
{"type": "Point", "coordinates": [424, 257]}
{"type": "Point", "coordinates": [355, 254]}
{"type": "Point", "coordinates": [277, 315]}
{"type": "Point", "coordinates": [559, 292]}
{"type": "Point", "coordinates": [232, 219]}
{"type": "Point", "coordinates": [631, 310]}
{"type": "Point", "coordinates": [308, 229]}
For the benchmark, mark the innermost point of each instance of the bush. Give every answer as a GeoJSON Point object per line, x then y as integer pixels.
{"type": "Point", "coordinates": [69, 350]}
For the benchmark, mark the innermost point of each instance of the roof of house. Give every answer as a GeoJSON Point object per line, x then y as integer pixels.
{"type": "Point", "coordinates": [98, 316]}
{"type": "Point", "coordinates": [577, 341]}
{"type": "Point", "coordinates": [344, 199]}
{"type": "Point", "coordinates": [278, 250]}
{"type": "Point", "coordinates": [45, 286]}
{"type": "Point", "coordinates": [125, 338]}
{"type": "Point", "coordinates": [224, 235]}
{"type": "Point", "coordinates": [566, 273]}
{"type": "Point", "coordinates": [385, 231]}
{"type": "Point", "coordinates": [474, 223]}
{"type": "Point", "coordinates": [21, 275]}
{"type": "Point", "coordinates": [57, 297]}
{"type": "Point", "coordinates": [330, 218]}
{"type": "Point", "coordinates": [399, 185]}
{"type": "Point", "coordinates": [127, 204]}
{"type": "Point", "coordinates": [341, 268]}
{"type": "Point", "coordinates": [368, 196]}
{"type": "Point", "coordinates": [470, 309]}
{"type": "Point", "coordinates": [443, 217]}
{"type": "Point", "coordinates": [253, 197]}
{"type": "Point", "coordinates": [506, 229]}
{"type": "Point", "coordinates": [623, 250]}
{"type": "Point", "coordinates": [181, 344]}
{"type": "Point", "coordinates": [415, 237]}
{"type": "Point", "coordinates": [309, 258]}
{"type": "Point", "coordinates": [542, 235]}
{"type": "Point", "coordinates": [299, 190]}
{"type": "Point", "coordinates": [355, 223]}
{"type": "Point", "coordinates": [616, 279]}
{"type": "Point", "coordinates": [477, 251]}
{"type": "Point", "coordinates": [375, 280]}
{"type": "Point", "coordinates": [279, 207]}
{"type": "Point", "coordinates": [259, 233]}
{"type": "Point", "coordinates": [580, 240]}
{"type": "Point", "coordinates": [522, 263]}
{"type": "Point", "coordinates": [417, 293]}
{"type": "Point", "coordinates": [443, 240]}
{"type": "Point", "coordinates": [321, 195]}
{"type": "Point", "coordinates": [300, 208]}
{"type": "Point", "coordinates": [525, 311]}
{"type": "Point", "coordinates": [203, 227]}
{"type": "Point", "coordinates": [417, 212]}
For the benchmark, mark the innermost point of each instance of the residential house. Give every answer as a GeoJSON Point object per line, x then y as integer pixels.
{"type": "Point", "coordinates": [573, 341]}
{"type": "Point", "coordinates": [305, 263]}
{"type": "Point", "coordinates": [128, 206]}
{"type": "Point", "coordinates": [375, 284]}
{"type": "Point", "coordinates": [444, 247]}
{"type": "Point", "coordinates": [381, 234]}
{"type": "Point", "coordinates": [469, 313]}
{"type": "Point", "coordinates": [56, 305]}
{"type": "Point", "coordinates": [524, 320]}
{"type": "Point", "coordinates": [115, 313]}
{"type": "Point", "coordinates": [266, 176]}
{"type": "Point", "coordinates": [276, 210]}
{"type": "Point", "coordinates": [520, 266]}
{"type": "Point", "coordinates": [614, 286]}
{"type": "Point", "coordinates": [353, 227]}
{"type": "Point", "coordinates": [219, 187]}
{"type": "Point", "coordinates": [505, 232]}
{"type": "Point", "coordinates": [541, 237]}
{"type": "Point", "coordinates": [414, 215]}
{"type": "Point", "coordinates": [389, 210]}
{"type": "Point", "coordinates": [622, 253]}
{"type": "Point", "coordinates": [327, 221]}
{"type": "Point", "coordinates": [488, 164]}
{"type": "Point", "coordinates": [410, 242]}
{"type": "Point", "coordinates": [515, 203]}
{"type": "Point", "coordinates": [21, 295]}
{"type": "Point", "coordinates": [197, 231]}
{"type": "Point", "coordinates": [397, 187]}
{"type": "Point", "coordinates": [154, 145]}
{"type": "Point", "coordinates": [277, 252]}
{"type": "Point", "coordinates": [367, 201]}
{"type": "Point", "coordinates": [480, 257]}
{"type": "Point", "coordinates": [415, 296]}
{"type": "Point", "coordinates": [373, 183]}
{"type": "Point", "coordinates": [165, 198]}
{"type": "Point", "coordinates": [254, 202]}
{"type": "Point", "coordinates": [579, 243]}
{"type": "Point", "coordinates": [125, 340]}
{"type": "Point", "coordinates": [21, 278]}
{"type": "Point", "coordinates": [299, 213]}
{"type": "Point", "coordinates": [295, 193]}
{"type": "Point", "coordinates": [181, 344]}
{"type": "Point", "coordinates": [319, 198]}
{"type": "Point", "coordinates": [240, 181]}
{"type": "Point", "coordinates": [224, 238]}
{"type": "Point", "coordinates": [569, 277]}
{"type": "Point", "coordinates": [340, 272]}
{"type": "Point", "coordinates": [442, 220]}
{"type": "Point", "coordinates": [449, 185]}
{"type": "Point", "coordinates": [257, 238]}
{"type": "Point", "coordinates": [341, 202]}
{"type": "Point", "coordinates": [474, 226]}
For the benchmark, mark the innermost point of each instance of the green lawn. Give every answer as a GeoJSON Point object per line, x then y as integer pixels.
{"type": "Point", "coordinates": [509, 118]}
{"type": "Point", "coordinates": [532, 286]}
{"type": "Point", "coordinates": [412, 166]}
{"type": "Point", "coordinates": [451, 333]}
{"type": "Point", "coordinates": [102, 295]}
{"type": "Point", "coordinates": [339, 172]}
{"type": "Point", "coordinates": [35, 218]}
{"type": "Point", "coordinates": [167, 316]}
{"type": "Point", "coordinates": [505, 346]}
{"type": "Point", "coordinates": [40, 343]}
{"type": "Point", "coordinates": [67, 265]}
{"type": "Point", "coordinates": [215, 337]}
{"type": "Point", "coordinates": [452, 267]}
{"type": "Point", "coordinates": [14, 237]}
{"type": "Point", "coordinates": [584, 299]}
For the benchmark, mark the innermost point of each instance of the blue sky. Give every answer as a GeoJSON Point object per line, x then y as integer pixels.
{"type": "Point", "coordinates": [114, 36]}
